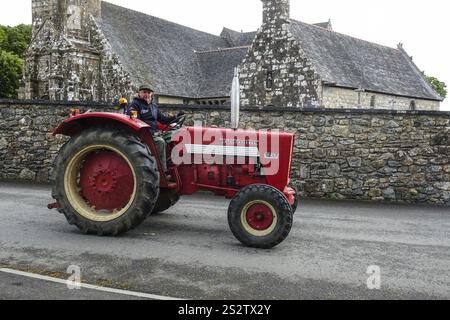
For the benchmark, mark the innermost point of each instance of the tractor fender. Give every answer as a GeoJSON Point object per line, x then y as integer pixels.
{"type": "Point", "coordinates": [76, 124]}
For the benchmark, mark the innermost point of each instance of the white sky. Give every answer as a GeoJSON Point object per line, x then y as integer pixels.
{"type": "Point", "coordinates": [422, 26]}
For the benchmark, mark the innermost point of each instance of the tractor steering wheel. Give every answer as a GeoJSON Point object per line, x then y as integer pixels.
{"type": "Point", "coordinates": [178, 120]}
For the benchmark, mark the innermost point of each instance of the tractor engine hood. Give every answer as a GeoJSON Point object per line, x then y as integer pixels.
{"type": "Point", "coordinates": [271, 149]}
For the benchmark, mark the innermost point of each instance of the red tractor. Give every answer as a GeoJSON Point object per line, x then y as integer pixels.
{"type": "Point", "coordinates": [108, 176]}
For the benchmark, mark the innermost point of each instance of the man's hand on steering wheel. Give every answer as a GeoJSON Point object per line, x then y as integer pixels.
{"type": "Point", "coordinates": [179, 120]}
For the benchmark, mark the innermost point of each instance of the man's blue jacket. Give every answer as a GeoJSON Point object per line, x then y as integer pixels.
{"type": "Point", "coordinates": [149, 113]}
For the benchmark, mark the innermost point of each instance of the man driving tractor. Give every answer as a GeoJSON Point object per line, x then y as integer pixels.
{"type": "Point", "coordinates": [149, 112]}
{"type": "Point", "coordinates": [107, 182]}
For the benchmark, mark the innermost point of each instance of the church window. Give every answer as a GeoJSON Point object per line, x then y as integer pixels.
{"type": "Point", "coordinates": [269, 80]}
{"type": "Point", "coordinates": [373, 101]}
{"type": "Point", "coordinates": [74, 17]}
{"type": "Point", "coordinates": [412, 105]}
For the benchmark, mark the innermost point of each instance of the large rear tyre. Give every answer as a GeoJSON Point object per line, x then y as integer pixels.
{"type": "Point", "coordinates": [166, 199]}
{"type": "Point", "coordinates": [106, 181]}
{"type": "Point", "coordinates": [260, 216]}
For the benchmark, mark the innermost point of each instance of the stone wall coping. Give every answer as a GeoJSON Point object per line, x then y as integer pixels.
{"type": "Point", "coordinates": [53, 103]}
{"type": "Point", "coordinates": [227, 108]}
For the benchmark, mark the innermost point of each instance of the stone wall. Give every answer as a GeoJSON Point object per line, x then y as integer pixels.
{"type": "Point", "coordinates": [339, 154]}
{"type": "Point", "coordinates": [335, 97]}
{"type": "Point", "coordinates": [27, 146]}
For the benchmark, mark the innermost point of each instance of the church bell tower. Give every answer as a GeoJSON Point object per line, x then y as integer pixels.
{"type": "Point", "coordinates": [61, 63]}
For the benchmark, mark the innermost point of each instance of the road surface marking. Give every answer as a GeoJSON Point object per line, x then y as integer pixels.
{"type": "Point", "coordinates": [88, 286]}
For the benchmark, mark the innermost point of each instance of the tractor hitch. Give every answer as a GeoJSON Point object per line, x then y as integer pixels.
{"type": "Point", "coordinates": [52, 206]}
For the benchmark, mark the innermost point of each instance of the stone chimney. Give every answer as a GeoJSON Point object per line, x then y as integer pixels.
{"type": "Point", "coordinates": [275, 11]}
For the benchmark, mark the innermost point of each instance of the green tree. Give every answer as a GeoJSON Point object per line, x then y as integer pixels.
{"type": "Point", "coordinates": [439, 86]}
{"type": "Point", "coordinates": [11, 72]}
{"type": "Point", "coordinates": [3, 38]}
{"type": "Point", "coordinates": [15, 39]}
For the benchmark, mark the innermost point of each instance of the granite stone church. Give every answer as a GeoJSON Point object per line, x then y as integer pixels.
{"type": "Point", "coordinates": [91, 50]}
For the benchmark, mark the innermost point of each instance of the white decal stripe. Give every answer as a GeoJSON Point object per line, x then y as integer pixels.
{"type": "Point", "coordinates": [252, 152]}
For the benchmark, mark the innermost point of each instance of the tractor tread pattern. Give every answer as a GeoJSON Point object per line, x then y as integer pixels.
{"type": "Point", "coordinates": [281, 204]}
{"type": "Point", "coordinates": [146, 174]}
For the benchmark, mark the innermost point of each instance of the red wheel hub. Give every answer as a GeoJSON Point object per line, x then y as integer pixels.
{"type": "Point", "coordinates": [259, 217]}
{"type": "Point", "coordinates": [106, 181]}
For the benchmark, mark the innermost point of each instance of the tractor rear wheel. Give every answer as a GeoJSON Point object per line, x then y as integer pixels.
{"type": "Point", "coordinates": [166, 199]}
{"type": "Point", "coordinates": [106, 181]}
{"type": "Point", "coordinates": [260, 216]}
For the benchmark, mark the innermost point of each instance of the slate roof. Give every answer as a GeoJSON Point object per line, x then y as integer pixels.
{"type": "Point", "coordinates": [345, 61]}
{"type": "Point", "coordinates": [218, 70]}
{"type": "Point", "coordinates": [180, 61]}
{"type": "Point", "coordinates": [238, 39]}
{"type": "Point", "coordinates": [158, 52]}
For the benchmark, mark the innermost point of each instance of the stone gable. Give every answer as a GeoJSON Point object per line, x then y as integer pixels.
{"type": "Point", "coordinates": [275, 70]}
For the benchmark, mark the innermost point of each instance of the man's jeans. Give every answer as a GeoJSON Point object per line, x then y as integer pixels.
{"type": "Point", "coordinates": [161, 140]}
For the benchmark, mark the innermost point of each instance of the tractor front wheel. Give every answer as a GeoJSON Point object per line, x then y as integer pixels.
{"type": "Point", "coordinates": [260, 216]}
{"type": "Point", "coordinates": [106, 181]}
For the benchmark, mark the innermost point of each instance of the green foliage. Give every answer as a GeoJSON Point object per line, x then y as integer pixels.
{"type": "Point", "coordinates": [15, 39]}
{"type": "Point", "coordinates": [439, 86]}
{"type": "Point", "coordinates": [3, 37]}
{"type": "Point", "coordinates": [11, 72]}
{"type": "Point", "coordinates": [14, 42]}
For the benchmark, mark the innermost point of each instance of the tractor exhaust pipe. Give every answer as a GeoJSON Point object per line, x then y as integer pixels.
{"type": "Point", "coordinates": [235, 100]}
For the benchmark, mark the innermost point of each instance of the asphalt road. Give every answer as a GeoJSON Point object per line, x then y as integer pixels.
{"type": "Point", "coordinates": [16, 287]}
{"type": "Point", "coordinates": [190, 253]}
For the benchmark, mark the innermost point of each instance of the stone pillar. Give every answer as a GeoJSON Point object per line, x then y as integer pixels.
{"type": "Point", "coordinates": [275, 11]}
{"type": "Point", "coordinates": [40, 12]}
{"type": "Point", "coordinates": [60, 17]}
